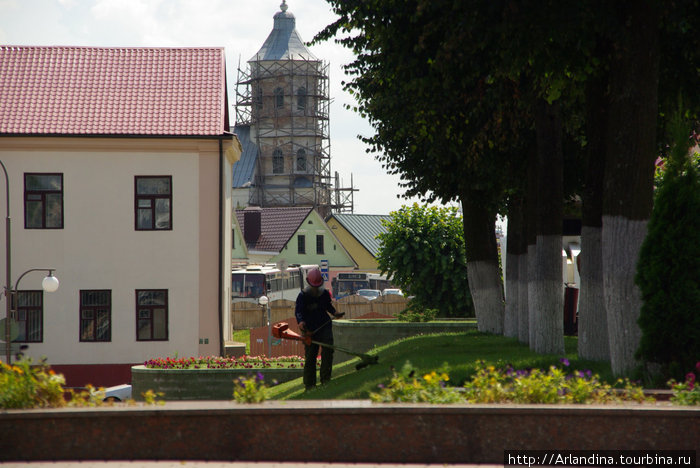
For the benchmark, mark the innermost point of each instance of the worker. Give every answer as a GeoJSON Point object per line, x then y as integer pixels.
{"type": "Point", "coordinates": [312, 309]}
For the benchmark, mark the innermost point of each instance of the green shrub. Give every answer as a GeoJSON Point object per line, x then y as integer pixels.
{"type": "Point", "coordinates": [407, 387]}
{"type": "Point", "coordinates": [669, 268]}
{"type": "Point", "coordinates": [25, 386]}
{"type": "Point", "coordinates": [251, 389]}
{"type": "Point", "coordinates": [416, 313]}
{"type": "Point", "coordinates": [423, 250]}
{"type": "Point", "coordinates": [151, 397]}
{"type": "Point", "coordinates": [506, 385]}
{"type": "Point", "coordinates": [498, 385]}
{"type": "Point", "coordinates": [687, 392]}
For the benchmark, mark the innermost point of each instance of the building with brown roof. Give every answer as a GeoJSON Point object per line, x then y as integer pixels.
{"type": "Point", "coordinates": [119, 163]}
{"type": "Point", "coordinates": [297, 235]}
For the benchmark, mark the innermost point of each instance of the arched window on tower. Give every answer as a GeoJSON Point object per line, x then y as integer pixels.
{"type": "Point", "coordinates": [277, 161]}
{"type": "Point", "coordinates": [301, 161]}
{"type": "Point", "coordinates": [259, 99]}
{"type": "Point", "coordinates": [279, 97]}
{"type": "Point", "coordinates": [301, 98]}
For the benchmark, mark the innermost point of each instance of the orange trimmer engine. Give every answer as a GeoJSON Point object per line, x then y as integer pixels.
{"type": "Point", "coordinates": [281, 330]}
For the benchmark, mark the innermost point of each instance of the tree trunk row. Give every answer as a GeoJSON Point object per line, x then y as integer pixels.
{"type": "Point", "coordinates": [617, 201]}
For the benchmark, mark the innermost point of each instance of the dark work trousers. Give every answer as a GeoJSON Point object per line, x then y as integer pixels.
{"type": "Point", "coordinates": [324, 335]}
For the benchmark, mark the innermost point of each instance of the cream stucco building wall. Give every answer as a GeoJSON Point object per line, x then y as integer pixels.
{"type": "Point", "coordinates": [99, 247]}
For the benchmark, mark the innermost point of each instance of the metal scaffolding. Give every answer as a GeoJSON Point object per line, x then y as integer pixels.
{"type": "Point", "coordinates": [286, 104]}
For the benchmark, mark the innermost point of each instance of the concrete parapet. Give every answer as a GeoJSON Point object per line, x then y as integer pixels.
{"type": "Point", "coordinates": [339, 431]}
{"type": "Point", "coordinates": [200, 384]}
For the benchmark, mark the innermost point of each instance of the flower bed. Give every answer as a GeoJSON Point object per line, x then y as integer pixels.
{"type": "Point", "coordinates": [218, 362]}
{"type": "Point", "coordinates": [209, 378]}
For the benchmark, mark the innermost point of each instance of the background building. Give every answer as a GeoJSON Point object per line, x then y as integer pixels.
{"type": "Point", "coordinates": [282, 104]}
{"type": "Point", "coordinates": [119, 162]}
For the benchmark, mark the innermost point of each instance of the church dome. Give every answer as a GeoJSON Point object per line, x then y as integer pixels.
{"type": "Point", "coordinates": [284, 42]}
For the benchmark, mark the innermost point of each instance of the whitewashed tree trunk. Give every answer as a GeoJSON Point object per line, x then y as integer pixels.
{"type": "Point", "coordinates": [483, 271]}
{"type": "Point", "coordinates": [549, 322]}
{"type": "Point", "coordinates": [621, 241]}
{"type": "Point", "coordinates": [629, 172]}
{"type": "Point", "coordinates": [515, 247]}
{"type": "Point", "coordinates": [487, 294]}
{"type": "Point", "coordinates": [510, 320]}
{"type": "Point", "coordinates": [593, 342]}
{"type": "Point", "coordinates": [523, 326]}
{"type": "Point", "coordinates": [533, 299]}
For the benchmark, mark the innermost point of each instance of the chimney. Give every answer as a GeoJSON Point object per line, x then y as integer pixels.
{"type": "Point", "coordinates": [252, 224]}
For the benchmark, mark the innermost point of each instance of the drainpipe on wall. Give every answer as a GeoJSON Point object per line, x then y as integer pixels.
{"type": "Point", "coordinates": [222, 286]}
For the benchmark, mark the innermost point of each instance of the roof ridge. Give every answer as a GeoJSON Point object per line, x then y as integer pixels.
{"type": "Point", "coordinates": [109, 91]}
{"type": "Point", "coordinates": [29, 46]}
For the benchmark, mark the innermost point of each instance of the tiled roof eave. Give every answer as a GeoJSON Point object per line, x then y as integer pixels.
{"type": "Point", "coordinates": [223, 135]}
{"type": "Point", "coordinates": [97, 91]}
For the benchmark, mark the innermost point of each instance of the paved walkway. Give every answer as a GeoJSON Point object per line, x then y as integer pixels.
{"type": "Point", "coordinates": [217, 464]}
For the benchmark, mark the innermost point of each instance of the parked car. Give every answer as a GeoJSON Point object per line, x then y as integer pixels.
{"type": "Point", "coordinates": [370, 294]}
{"type": "Point", "coordinates": [118, 393]}
{"type": "Point", "coordinates": [396, 292]}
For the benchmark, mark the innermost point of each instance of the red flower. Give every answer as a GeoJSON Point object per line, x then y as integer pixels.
{"type": "Point", "coordinates": [690, 379]}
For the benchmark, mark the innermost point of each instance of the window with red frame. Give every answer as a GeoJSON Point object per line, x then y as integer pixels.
{"type": "Point", "coordinates": [43, 201]}
{"type": "Point", "coordinates": [151, 314]}
{"type": "Point", "coordinates": [29, 307]}
{"type": "Point", "coordinates": [96, 315]}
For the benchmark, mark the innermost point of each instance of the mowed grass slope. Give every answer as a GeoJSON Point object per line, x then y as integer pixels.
{"type": "Point", "coordinates": [459, 351]}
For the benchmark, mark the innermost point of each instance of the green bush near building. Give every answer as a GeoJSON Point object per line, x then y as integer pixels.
{"type": "Point", "coordinates": [669, 268]}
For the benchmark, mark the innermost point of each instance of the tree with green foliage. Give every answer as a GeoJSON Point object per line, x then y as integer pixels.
{"type": "Point", "coordinates": [423, 250]}
{"type": "Point", "coordinates": [458, 91]}
{"type": "Point", "coordinates": [669, 267]}
{"type": "Point", "coordinates": [441, 122]}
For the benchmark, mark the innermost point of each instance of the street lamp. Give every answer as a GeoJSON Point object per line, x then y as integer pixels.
{"type": "Point", "coordinates": [49, 284]}
{"type": "Point", "coordinates": [264, 301]}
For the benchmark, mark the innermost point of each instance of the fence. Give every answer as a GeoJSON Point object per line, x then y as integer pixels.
{"type": "Point", "coordinates": [248, 315]}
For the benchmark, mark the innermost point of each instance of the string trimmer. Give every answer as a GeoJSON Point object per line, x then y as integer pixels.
{"type": "Point", "coordinates": [281, 330]}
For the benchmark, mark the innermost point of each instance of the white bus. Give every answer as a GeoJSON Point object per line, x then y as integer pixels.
{"type": "Point", "coordinates": [348, 283]}
{"type": "Point", "coordinates": [253, 281]}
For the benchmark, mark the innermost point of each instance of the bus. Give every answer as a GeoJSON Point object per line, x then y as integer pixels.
{"type": "Point", "coordinates": [250, 282]}
{"type": "Point", "coordinates": [348, 283]}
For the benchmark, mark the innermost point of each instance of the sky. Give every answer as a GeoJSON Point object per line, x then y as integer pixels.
{"type": "Point", "coordinates": [241, 27]}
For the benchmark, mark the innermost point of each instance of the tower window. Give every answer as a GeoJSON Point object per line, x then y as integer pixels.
{"type": "Point", "coordinates": [277, 162]}
{"type": "Point", "coordinates": [301, 160]}
{"type": "Point", "coordinates": [259, 99]}
{"type": "Point", "coordinates": [301, 98]}
{"type": "Point", "coordinates": [279, 97]}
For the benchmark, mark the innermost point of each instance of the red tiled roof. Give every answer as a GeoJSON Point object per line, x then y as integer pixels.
{"type": "Point", "coordinates": [278, 225]}
{"type": "Point", "coordinates": [112, 91]}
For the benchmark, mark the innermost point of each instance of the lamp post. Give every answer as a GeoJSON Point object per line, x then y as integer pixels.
{"type": "Point", "coordinates": [49, 284]}
{"type": "Point", "coordinates": [8, 262]}
{"type": "Point", "coordinates": [264, 301]}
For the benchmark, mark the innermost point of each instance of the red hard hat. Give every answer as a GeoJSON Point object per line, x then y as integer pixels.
{"type": "Point", "coordinates": [315, 278]}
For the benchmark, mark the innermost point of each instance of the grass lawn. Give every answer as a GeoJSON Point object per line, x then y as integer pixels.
{"type": "Point", "coordinates": [243, 336]}
{"type": "Point", "coordinates": [460, 351]}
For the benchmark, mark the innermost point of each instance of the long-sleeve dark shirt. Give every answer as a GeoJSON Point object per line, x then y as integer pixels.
{"type": "Point", "coordinates": [314, 310]}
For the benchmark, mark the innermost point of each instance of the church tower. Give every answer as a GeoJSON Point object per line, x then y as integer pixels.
{"type": "Point", "coordinates": [282, 104]}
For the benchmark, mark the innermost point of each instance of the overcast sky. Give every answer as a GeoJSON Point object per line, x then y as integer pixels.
{"type": "Point", "coordinates": [241, 27]}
